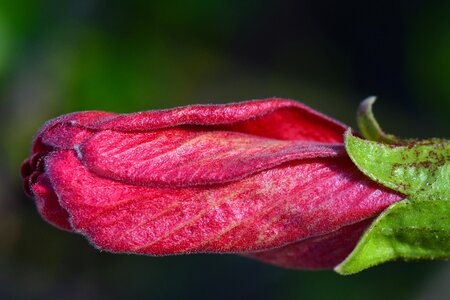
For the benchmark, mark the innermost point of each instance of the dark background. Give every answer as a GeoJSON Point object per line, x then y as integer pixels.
{"type": "Point", "coordinates": [61, 56]}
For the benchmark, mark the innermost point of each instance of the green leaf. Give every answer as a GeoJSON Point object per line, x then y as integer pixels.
{"type": "Point", "coordinates": [368, 125]}
{"type": "Point", "coordinates": [416, 229]}
{"type": "Point", "coordinates": [416, 168]}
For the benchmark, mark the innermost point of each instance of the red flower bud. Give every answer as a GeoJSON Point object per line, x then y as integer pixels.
{"type": "Point", "coordinates": [268, 179]}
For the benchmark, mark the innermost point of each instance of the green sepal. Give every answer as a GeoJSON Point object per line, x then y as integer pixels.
{"type": "Point", "coordinates": [419, 167]}
{"type": "Point", "coordinates": [368, 125]}
{"type": "Point", "coordinates": [415, 228]}
{"type": "Point", "coordinates": [410, 229]}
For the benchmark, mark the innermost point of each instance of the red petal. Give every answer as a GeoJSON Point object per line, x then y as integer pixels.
{"type": "Point", "coordinates": [274, 118]}
{"type": "Point", "coordinates": [79, 119]}
{"type": "Point", "coordinates": [321, 252]}
{"type": "Point", "coordinates": [48, 205]}
{"type": "Point", "coordinates": [189, 156]}
{"type": "Point", "coordinates": [65, 136]}
{"type": "Point", "coordinates": [269, 209]}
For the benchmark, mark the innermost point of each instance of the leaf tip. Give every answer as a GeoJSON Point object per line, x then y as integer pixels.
{"type": "Point", "coordinates": [368, 125]}
{"type": "Point", "coordinates": [365, 107]}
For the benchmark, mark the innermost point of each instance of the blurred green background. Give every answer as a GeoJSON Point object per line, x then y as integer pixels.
{"type": "Point", "coordinates": [62, 56]}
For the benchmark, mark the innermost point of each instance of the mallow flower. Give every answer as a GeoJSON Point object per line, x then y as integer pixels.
{"type": "Point", "coordinates": [268, 179]}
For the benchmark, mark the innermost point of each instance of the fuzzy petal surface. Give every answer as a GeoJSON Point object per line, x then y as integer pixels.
{"type": "Point", "coordinates": [263, 211]}
{"type": "Point", "coordinates": [186, 157]}
{"type": "Point", "coordinates": [268, 179]}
